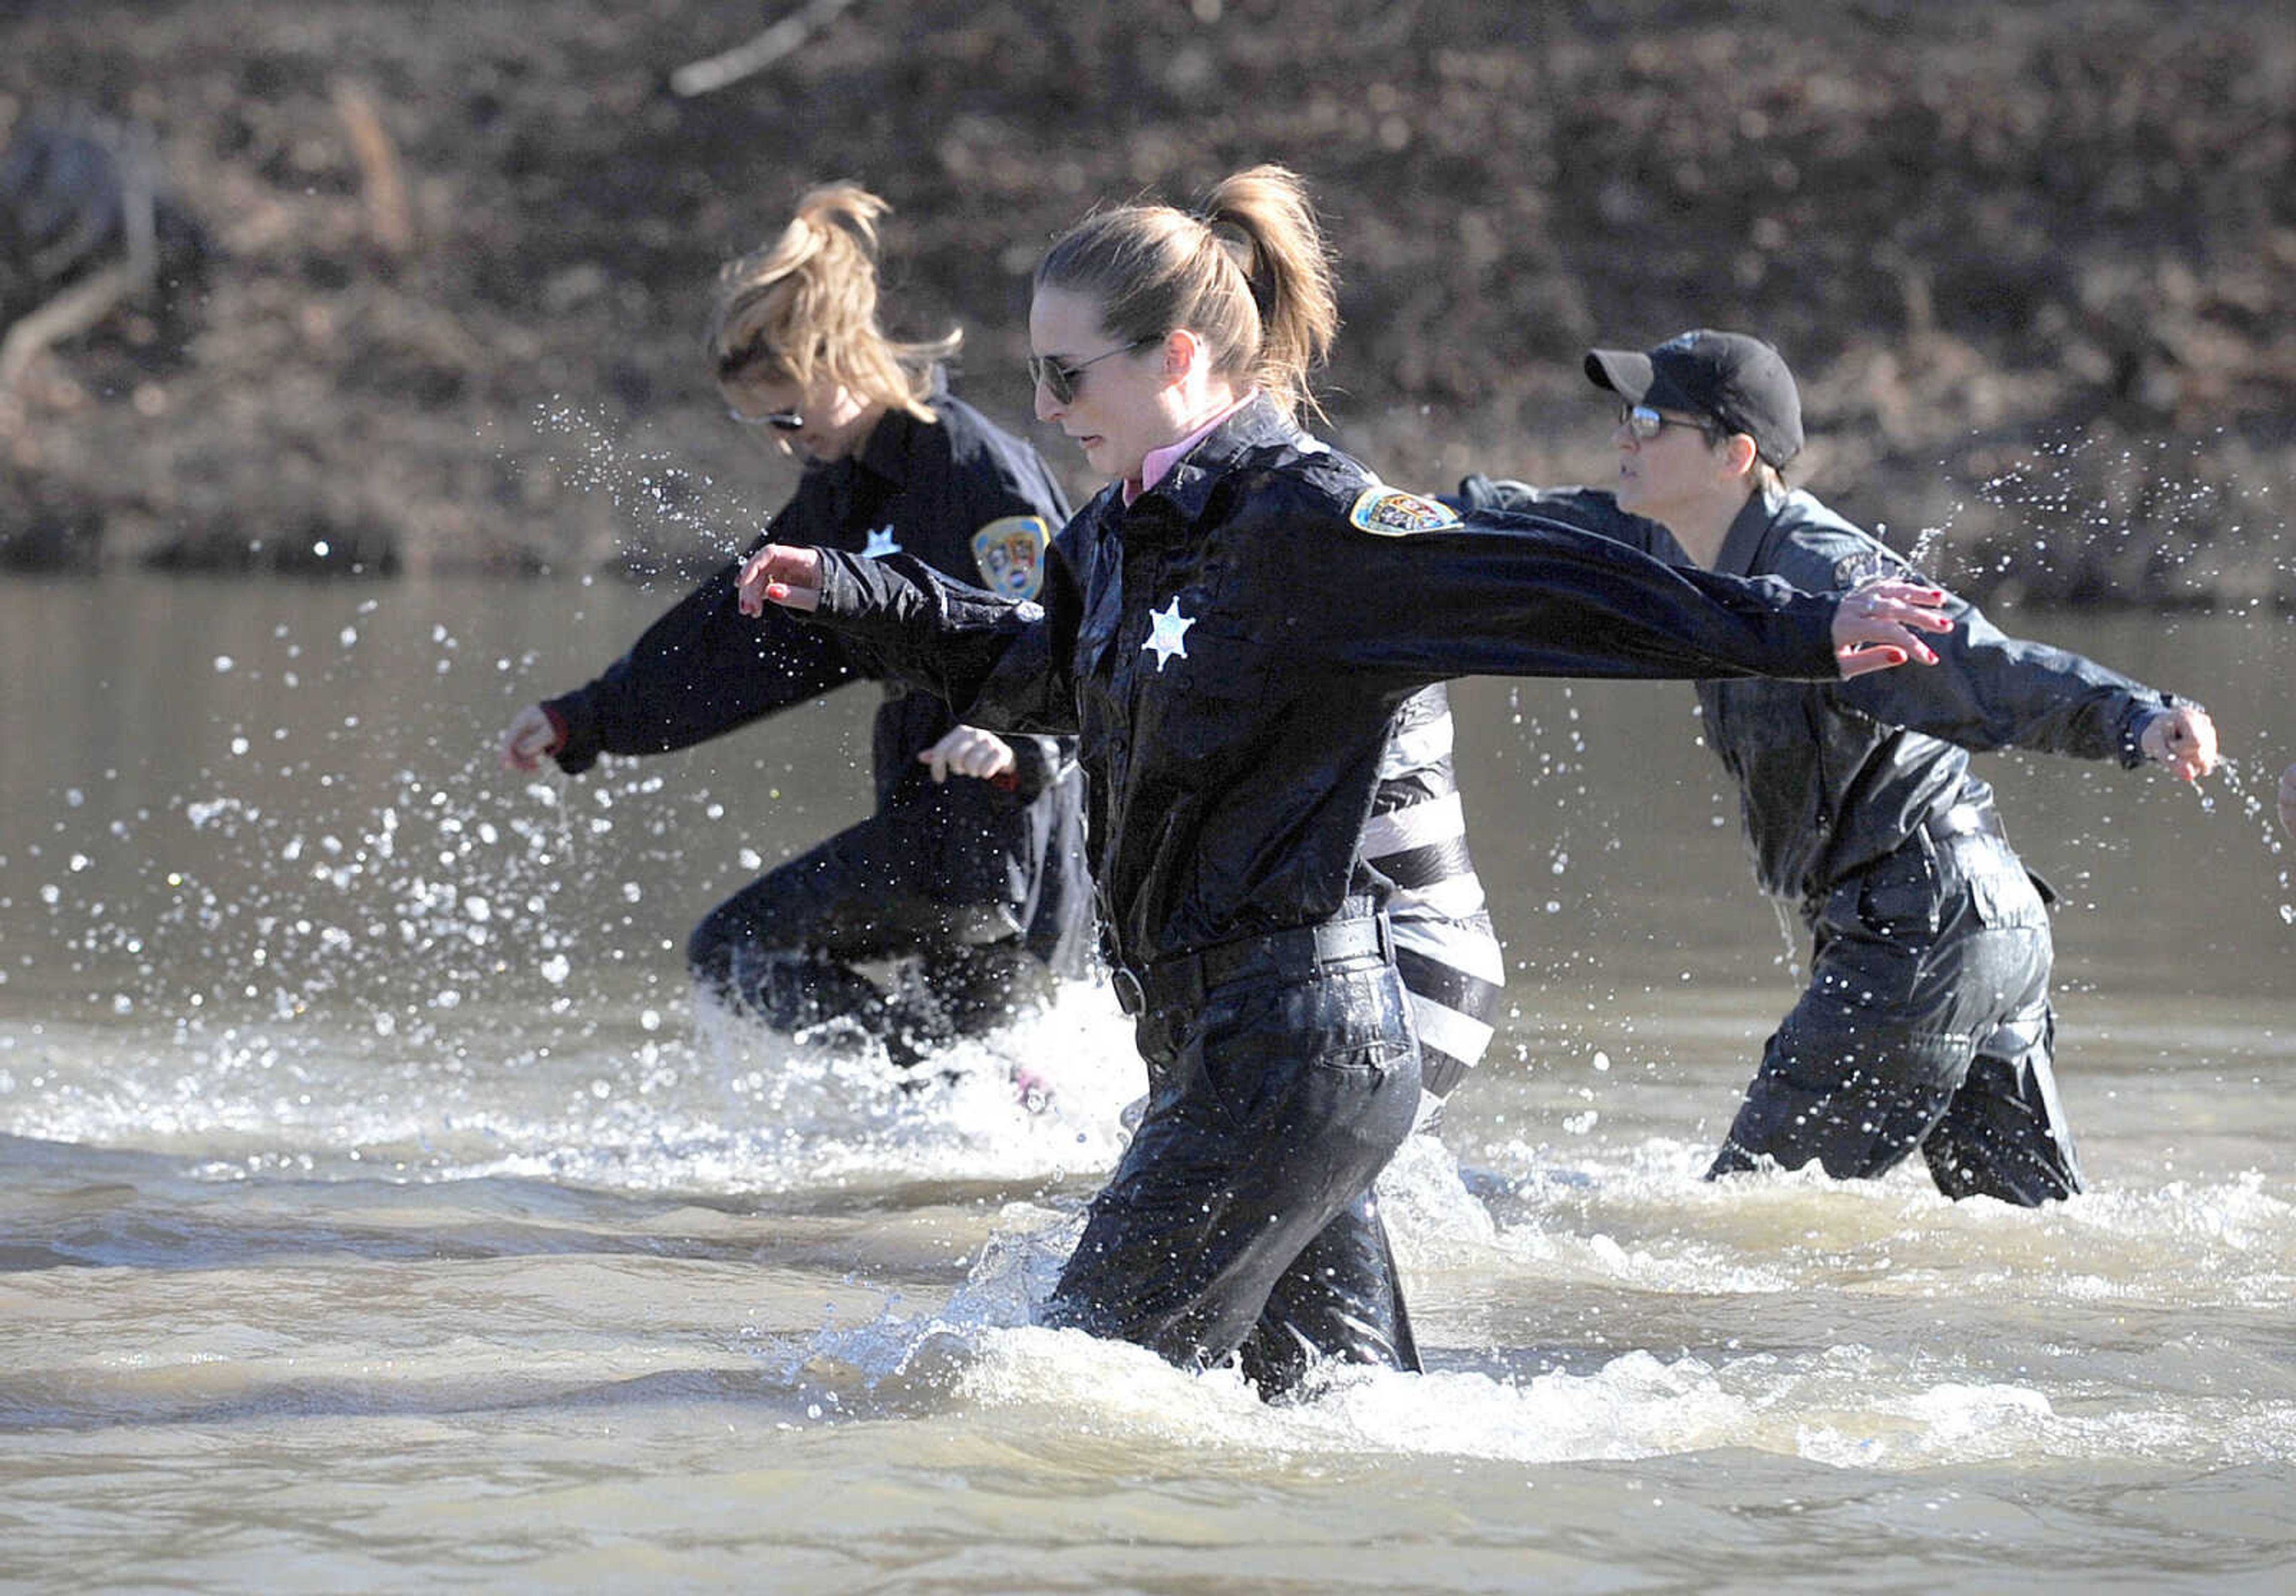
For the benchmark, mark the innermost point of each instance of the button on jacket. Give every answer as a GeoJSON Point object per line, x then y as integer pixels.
{"type": "Point", "coordinates": [1232, 647]}
{"type": "Point", "coordinates": [1834, 775]}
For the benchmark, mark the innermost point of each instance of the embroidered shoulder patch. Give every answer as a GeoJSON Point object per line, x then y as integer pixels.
{"type": "Point", "coordinates": [1011, 554]}
{"type": "Point", "coordinates": [1392, 513]}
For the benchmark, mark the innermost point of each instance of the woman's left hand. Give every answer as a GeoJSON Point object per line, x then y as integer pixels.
{"type": "Point", "coordinates": [969, 751]}
{"type": "Point", "coordinates": [1874, 625]}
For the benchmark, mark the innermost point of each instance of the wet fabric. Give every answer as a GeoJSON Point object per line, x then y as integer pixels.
{"type": "Point", "coordinates": [1233, 647]}
{"type": "Point", "coordinates": [1833, 775]}
{"type": "Point", "coordinates": [787, 948]}
{"type": "Point", "coordinates": [1240, 1220]}
{"type": "Point", "coordinates": [936, 862]}
{"type": "Point", "coordinates": [1927, 1021]}
{"type": "Point", "coordinates": [1926, 1025]}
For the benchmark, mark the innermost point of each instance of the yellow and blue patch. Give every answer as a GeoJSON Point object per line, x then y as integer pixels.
{"type": "Point", "coordinates": [1392, 513]}
{"type": "Point", "coordinates": [1010, 552]}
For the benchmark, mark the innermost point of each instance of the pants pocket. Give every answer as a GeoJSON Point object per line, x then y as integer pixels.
{"type": "Point", "coordinates": [1262, 1041]}
{"type": "Point", "coordinates": [2004, 895]}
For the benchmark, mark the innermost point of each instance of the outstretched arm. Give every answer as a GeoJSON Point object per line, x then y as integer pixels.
{"type": "Point", "coordinates": [1000, 662]}
{"type": "Point", "coordinates": [1992, 691]}
{"type": "Point", "coordinates": [701, 669]}
{"type": "Point", "coordinates": [1515, 595]}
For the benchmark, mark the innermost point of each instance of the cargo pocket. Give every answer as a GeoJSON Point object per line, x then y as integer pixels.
{"type": "Point", "coordinates": [2003, 894]}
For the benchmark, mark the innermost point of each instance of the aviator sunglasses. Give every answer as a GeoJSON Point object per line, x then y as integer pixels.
{"type": "Point", "coordinates": [1645, 422]}
{"type": "Point", "coordinates": [1061, 377]}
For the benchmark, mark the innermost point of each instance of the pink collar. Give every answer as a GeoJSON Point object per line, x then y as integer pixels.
{"type": "Point", "coordinates": [1159, 461]}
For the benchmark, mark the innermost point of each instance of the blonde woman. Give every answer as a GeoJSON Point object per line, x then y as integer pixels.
{"type": "Point", "coordinates": [1233, 625]}
{"type": "Point", "coordinates": [976, 883]}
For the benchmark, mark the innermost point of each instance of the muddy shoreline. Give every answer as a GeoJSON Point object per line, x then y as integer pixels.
{"type": "Point", "coordinates": [2032, 262]}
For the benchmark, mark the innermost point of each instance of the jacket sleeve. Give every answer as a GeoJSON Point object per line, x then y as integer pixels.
{"type": "Point", "coordinates": [1989, 690]}
{"type": "Point", "coordinates": [1000, 663]}
{"type": "Point", "coordinates": [1589, 509]}
{"type": "Point", "coordinates": [1508, 595]}
{"type": "Point", "coordinates": [702, 669]}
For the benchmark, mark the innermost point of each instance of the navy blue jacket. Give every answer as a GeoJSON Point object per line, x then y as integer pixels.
{"type": "Point", "coordinates": [1833, 776]}
{"type": "Point", "coordinates": [1233, 647]}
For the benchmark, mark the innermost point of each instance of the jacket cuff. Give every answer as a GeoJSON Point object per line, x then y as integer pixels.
{"type": "Point", "coordinates": [841, 595]}
{"type": "Point", "coordinates": [577, 748]}
{"type": "Point", "coordinates": [2138, 717]}
{"type": "Point", "coordinates": [1036, 764]}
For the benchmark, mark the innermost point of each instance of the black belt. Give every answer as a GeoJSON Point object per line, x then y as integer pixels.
{"type": "Point", "coordinates": [1965, 819]}
{"type": "Point", "coordinates": [1184, 978]}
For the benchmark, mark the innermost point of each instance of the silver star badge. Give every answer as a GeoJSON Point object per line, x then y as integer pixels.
{"type": "Point", "coordinates": [1171, 631]}
{"type": "Point", "coordinates": [882, 542]}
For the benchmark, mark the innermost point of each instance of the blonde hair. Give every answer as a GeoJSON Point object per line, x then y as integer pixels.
{"type": "Point", "coordinates": [805, 307]}
{"type": "Point", "coordinates": [1249, 274]}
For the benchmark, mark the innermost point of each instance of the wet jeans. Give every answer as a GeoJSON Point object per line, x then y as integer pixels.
{"type": "Point", "coordinates": [1926, 1025]}
{"type": "Point", "coordinates": [785, 946]}
{"type": "Point", "coordinates": [1240, 1220]}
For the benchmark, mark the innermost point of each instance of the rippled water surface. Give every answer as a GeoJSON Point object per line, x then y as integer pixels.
{"type": "Point", "coordinates": [376, 1212]}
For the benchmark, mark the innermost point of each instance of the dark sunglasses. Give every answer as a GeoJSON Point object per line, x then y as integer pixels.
{"type": "Point", "coordinates": [1646, 422]}
{"type": "Point", "coordinates": [781, 420]}
{"type": "Point", "coordinates": [1060, 377]}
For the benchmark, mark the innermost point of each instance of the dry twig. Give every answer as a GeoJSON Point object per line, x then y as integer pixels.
{"type": "Point", "coordinates": [746, 60]}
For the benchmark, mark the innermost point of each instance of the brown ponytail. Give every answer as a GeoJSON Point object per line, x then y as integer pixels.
{"type": "Point", "coordinates": [1248, 275]}
{"type": "Point", "coordinates": [805, 306]}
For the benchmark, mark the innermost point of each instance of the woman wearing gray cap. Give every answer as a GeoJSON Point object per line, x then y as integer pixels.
{"type": "Point", "coordinates": [1927, 1023]}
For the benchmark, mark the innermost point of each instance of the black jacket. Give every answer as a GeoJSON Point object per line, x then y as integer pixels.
{"type": "Point", "coordinates": [1233, 647]}
{"type": "Point", "coordinates": [1833, 776]}
{"type": "Point", "coordinates": [705, 669]}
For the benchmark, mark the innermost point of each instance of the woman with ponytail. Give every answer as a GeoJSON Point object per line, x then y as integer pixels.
{"type": "Point", "coordinates": [1236, 626]}
{"type": "Point", "coordinates": [978, 882]}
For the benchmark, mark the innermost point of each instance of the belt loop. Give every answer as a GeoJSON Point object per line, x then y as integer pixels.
{"type": "Point", "coordinates": [1386, 935]}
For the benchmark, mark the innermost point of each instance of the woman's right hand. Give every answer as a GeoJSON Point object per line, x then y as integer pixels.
{"type": "Point", "coordinates": [532, 735]}
{"type": "Point", "coordinates": [779, 575]}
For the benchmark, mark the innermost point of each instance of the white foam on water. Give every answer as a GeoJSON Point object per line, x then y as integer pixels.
{"type": "Point", "coordinates": [728, 1108]}
{"type": "Point", "coordinates": [1845, 1407]}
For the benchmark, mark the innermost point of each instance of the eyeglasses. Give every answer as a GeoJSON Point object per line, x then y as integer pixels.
{"type": "Point", "coordinates": [1646, 422]}
{"type": "Point", "coordinates": [1061, 377]}
{"type": "Point", "coordinates": [781, 420]}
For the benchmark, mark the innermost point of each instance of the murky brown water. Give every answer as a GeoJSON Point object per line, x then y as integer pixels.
{"type": "Point", "coordinates": [374, 1214]}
